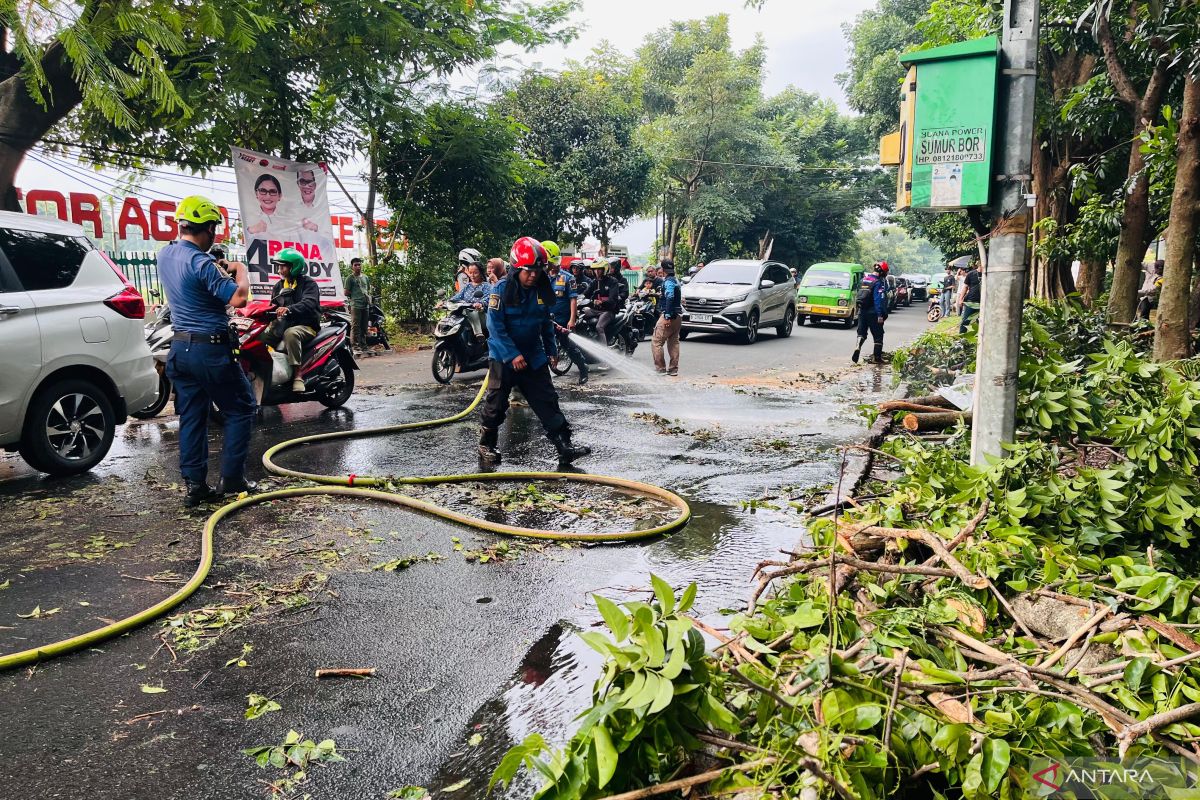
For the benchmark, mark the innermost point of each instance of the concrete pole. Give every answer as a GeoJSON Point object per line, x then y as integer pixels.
{"type": "Point", "coordinates": [1005, 272]}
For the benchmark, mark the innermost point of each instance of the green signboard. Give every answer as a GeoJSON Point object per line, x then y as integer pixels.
{"type": "Point", "coordinates": [953, 133]}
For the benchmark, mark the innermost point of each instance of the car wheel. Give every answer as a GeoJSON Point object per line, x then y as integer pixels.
{"type": "Point", "coordinates": [443, 362]}
{"type": "Point", "coordinates": [750, 335]}
{"type": "Point", "coordinates": [789, 319]}
{"type": "Point", "coordinates": [851, 321]}
{"type": "Point", "coordinates": [338, 398]}
{"type": "Point", "coordinates": [69, 428]}
{"type": "Point", "coordinates": [160, 401]}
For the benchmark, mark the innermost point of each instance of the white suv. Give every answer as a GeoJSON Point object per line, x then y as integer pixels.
{"type": "Point", "coordinates": [73, 354]}
{"type": "Point", "coordinates": [739, 296]}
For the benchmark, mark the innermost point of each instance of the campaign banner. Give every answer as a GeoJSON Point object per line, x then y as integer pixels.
{"type": "Point", "coordinates": [285, 204]}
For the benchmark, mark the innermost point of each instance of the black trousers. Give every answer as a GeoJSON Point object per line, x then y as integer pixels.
{"type": "Point", "coordinates": [568, 348]}
{"type": "Point", "coordinates": [537, 387]}
{"type": "Point", "coordinates": [869, 321]}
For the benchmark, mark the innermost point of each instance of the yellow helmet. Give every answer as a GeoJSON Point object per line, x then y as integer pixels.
{"type": "Point", "coordinates": [198, 210]}
{"type": "Point", "coordinates": [552, 252]}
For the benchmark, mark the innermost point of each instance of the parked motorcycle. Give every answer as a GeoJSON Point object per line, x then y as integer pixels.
{"type": "Point", "coordinates": [456, 348]}
{"type": "Point", "coordinates": [935, 309]}
{"type": "Point", "coordinates": [376, 336]}
{"type": "Point", "coordinates": [158, 336]}
{"type": "Point", "coordinates": [328, 362]}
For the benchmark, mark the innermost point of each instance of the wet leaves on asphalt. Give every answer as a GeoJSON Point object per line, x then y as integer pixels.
{"type": "Point", "coordinates": [148, 689]}
{"type": "Point", "coordinates": [37, 613]}
{"type": "Point", "coordinates": [409, 793]}
{"type": "Point", "coordinates": [257, 705]}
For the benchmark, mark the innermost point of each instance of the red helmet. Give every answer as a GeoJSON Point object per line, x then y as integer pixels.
{"type": "Point", "coordinates": [882, 266]}
{"type": "Point", "coordinates": [528, 253]}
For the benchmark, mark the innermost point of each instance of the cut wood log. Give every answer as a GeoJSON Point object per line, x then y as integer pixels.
{"type": "Point", "coordinates": [936, 421]}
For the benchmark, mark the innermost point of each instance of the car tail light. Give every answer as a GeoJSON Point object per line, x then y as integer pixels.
{"type": "Point", "coordinates": [128, 303]}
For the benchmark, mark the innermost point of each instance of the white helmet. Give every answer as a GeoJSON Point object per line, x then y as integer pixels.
{"type": "Point", "coordinates": [469, 255]}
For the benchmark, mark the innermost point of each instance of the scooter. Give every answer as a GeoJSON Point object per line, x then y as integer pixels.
{"type": "Point", "coordinates": [935, 309]}
{"type": "Point", "coordinates": [376, 336]}
{"type": "Point", "coordinates": [328, 362]}
{"type": "Point", "coordinates": [457, 349]}
{"type": "Point", "coordinates": [158, 336]}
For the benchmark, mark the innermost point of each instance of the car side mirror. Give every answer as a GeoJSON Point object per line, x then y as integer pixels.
{"type": "Point", "coordinates": [685, 280]}
{"type": "Point", "coordinates": [765, 284]}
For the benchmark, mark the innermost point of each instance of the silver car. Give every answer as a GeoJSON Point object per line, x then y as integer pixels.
{"type": "Point", "coordinates": [75, 359]}
{"type": "Point", "coordinates": [740, 297]}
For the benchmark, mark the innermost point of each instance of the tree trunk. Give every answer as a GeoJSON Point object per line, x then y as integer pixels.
{"type": "Point", "coordinates": [1135, 237]}
{"type": "Point", "coordinates": [1194, 304]}
{"type": "Point", "coordinates": [369, 216]}
{"type": "Point", "coordinates": [1091, 281]}
{"type": "Point", "coordinates": [1172, 331]}
{"type": "Point", "coordinates": [21, 114]}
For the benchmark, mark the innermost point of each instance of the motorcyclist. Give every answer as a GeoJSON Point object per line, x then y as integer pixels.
{"type": "Point", "coordinates": [564, 311]}
{"type": "Point", "coordinates": [583, 281]}
{"type": "Point", "coordinates": [872, 302]}
{"type": "Point", "coordinates": [475, 294]}
{"type": "Point", "coordinates": [466, 257]}
{"type": "Point", "coordinates": [521, 344]}
{"type": "Point", "coordinates": [607, 295]}
{"type": "Point", "coordinates": [297, 302]}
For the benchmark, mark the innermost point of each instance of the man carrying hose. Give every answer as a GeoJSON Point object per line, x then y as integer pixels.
{"type": "Point", "coordinates": [521, 343]}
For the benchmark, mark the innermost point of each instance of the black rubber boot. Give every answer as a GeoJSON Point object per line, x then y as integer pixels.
{"type": "Point", "coordinates": [198, 492]}
{"type": "Point", "coordinates": [568, 452]}
{"type": "Point", "coordinates": [857, 349]}
{"type": "Point", "coordinates": [488, 454]}
{"type": "Point", "coordinates": [583, 374]}
{"type": "Point", "coordinates": [877, 356]}
{"type": "Point", "coordinates": [236, 485]}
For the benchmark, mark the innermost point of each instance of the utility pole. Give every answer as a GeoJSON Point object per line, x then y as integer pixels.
{"type": "Point", "coordinates": [995, 400]}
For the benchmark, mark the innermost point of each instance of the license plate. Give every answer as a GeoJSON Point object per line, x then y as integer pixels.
{"type": "Point", "coordinates": [822, 310]}
{"type": "Point", "coordinates": [700, 318]}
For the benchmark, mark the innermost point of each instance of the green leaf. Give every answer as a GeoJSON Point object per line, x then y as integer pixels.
{"type": "Point", "coordinates": [662, 698]}
{"type": "Point", "coordinates": [614, 617]}
{"type": "Point", "coordinates": [1135, 672]}
{"type": "Point", "coordinates": [454, 787]}
{"type": "Point", "coordinates": [409, 793]}
{"type": "Point", "coordinates": [685, 601]}
{"type": "Point", "coordinates": [606, 755]}
{"type": "Point", "coordinates": [523, 753]}
{"type": "Point", "coordinates": [995, 763]}
{"type": "Point", "coordinates": [664, 593]}
{"type": "Point", "coordinates": [148, 689]}
{"type": "Point", "coordinates": [257, 705]}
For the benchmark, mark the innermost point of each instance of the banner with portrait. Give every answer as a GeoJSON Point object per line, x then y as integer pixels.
{"type": "Point", "coordinates": [285, 204]}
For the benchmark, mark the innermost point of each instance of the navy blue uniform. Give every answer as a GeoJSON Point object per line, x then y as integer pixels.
{"type": "Point", "coordinates": [563, 285]}
{"type": "Point", "coordinates": [201, 365]}
{"type": "Point", "coordinates": [519, 324]}
{"type": "Point", "coordinates": [873, 310]}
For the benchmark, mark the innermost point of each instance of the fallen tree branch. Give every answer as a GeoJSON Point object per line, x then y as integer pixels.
{"type": "Point", "coordinates": [695, 780]}
{"type": "Point", "coordinates": [935, 422]}
{"type": "Point", "coordinates": [935, 543]}
{"type": "Point", "coordinates": [1074, 638]}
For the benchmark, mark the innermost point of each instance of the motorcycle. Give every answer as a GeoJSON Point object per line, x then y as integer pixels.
{"type": "Point", "coordinates": [457, 349]}
{"type": "Point", "coordinates": [327, 368]}
{"type": "Point", "coordinates": [376, 336]}
{"type": "Point", "coordinates": [622, 335]}
{"type": "Point", "coordinates": [644, 313]}
{"type": "Point", "coordinates": [935, 309]}
{"type": "Point", "coordinates": [158, 336]}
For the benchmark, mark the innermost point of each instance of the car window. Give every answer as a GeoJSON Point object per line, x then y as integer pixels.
{"type": "Point", "coordinates": [43, 260]}
{"type": "Point", "coordinates": [826, 279]}
{"type": "Point", "coordinates": [727, 272]}
{"type": "Point", "coordinates": [779, 274]}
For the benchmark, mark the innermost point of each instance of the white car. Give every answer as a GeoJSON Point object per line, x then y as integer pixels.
{"type": "Point", "coordinates": [740, 296]}
{"type": "Point", "coordinates": [74, 358]}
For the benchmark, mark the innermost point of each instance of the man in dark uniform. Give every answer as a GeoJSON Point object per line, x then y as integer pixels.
{"type": "Point", "coordinates": [872, 302]}
{"type": "Point", "coordinates": [521, 343]}
{"type": "Point", "coordinates": [564, 312]}
{"type": "Point", "coordinates": [201, 364]}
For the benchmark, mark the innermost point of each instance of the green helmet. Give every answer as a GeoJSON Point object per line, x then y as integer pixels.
{"type": "Point", "coordinates": [553, 255]}
{"type": "Point", "coordinates": [197, 210]}
{"type": "Point", "coordinates": [291, 258]}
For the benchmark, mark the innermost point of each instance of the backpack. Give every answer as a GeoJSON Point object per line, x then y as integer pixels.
{"type": "Point", "coordinates": [866, 293]}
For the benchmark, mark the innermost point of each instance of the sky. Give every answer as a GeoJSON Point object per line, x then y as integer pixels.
{"type": "Point", "coordinates": [805, 48]}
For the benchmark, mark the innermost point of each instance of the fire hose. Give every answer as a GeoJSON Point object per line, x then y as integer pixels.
{"type": "Point", "coordinates": [367, 487]}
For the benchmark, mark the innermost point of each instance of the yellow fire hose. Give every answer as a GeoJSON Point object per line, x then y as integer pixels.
{"type": "Point", "coordinates": [360, 487]}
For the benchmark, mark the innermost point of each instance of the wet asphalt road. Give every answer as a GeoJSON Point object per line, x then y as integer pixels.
{"type": "Point", "coordinates": [460, 647]}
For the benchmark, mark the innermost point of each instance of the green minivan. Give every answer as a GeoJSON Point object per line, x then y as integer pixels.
{"type": "Point", "coordinates": [827, 292]}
